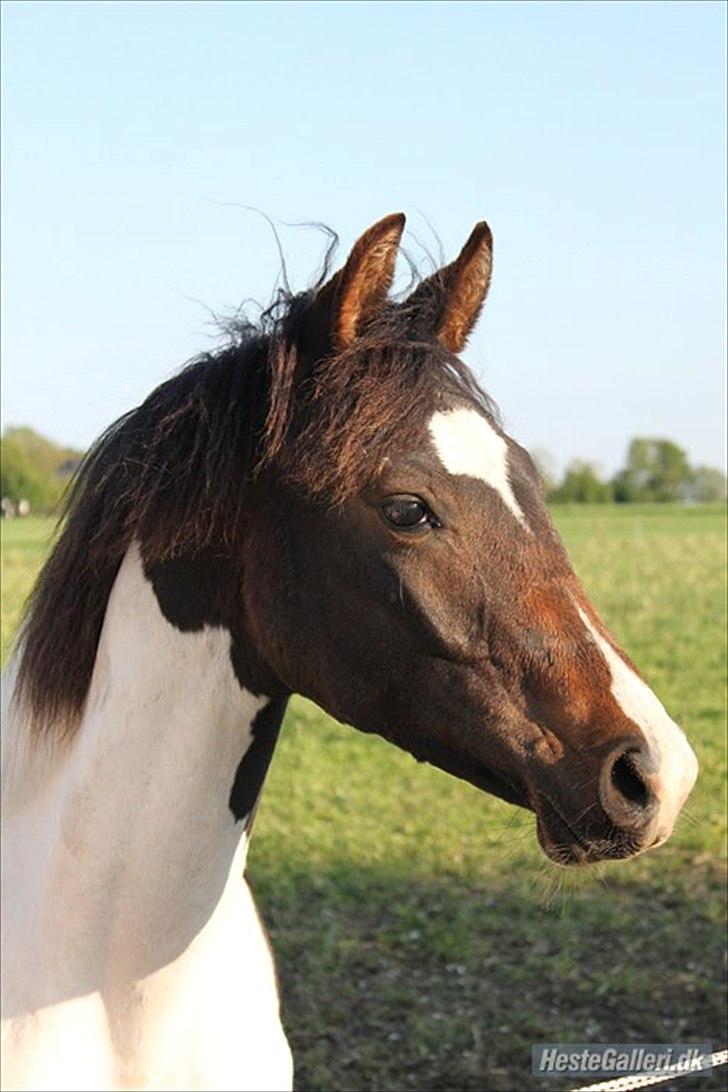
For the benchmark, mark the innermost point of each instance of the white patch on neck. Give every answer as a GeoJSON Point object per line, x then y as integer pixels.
{"type": "Point", "coordinates": [129, 934]}
{"type": "Point", "coordinates": [467, 444]}
{"type": "Point", "coordinates": [678, 766]}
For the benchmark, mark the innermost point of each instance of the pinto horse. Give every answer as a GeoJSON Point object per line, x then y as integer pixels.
{"type": "Point", "coordinates": [328, 506]}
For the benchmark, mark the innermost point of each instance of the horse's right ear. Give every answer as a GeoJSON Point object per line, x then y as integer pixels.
{"type": "Point", "coordinates": [354, 295]}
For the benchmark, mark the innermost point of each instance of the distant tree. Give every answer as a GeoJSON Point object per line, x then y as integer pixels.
{"type": "Point", "coordinates": [708, 485]}
{"type": "Point", "coordinates": [656, 470]}
{"type": "Point", "coordinates": [546, 466]}
{"type": "Point", "coordinates": [19, 479]}
{"type": "Point", "coordinates": [44, 455]}
{"type": "Point", "coordinates": [35, 468]}
{"type": "Point", "coordinates": [583, 484]}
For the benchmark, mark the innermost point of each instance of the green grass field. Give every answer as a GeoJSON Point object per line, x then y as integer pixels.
{"type": "Point", "coordinates": [423, 941]}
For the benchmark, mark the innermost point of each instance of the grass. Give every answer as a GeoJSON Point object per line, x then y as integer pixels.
{"type": "Point", "coordinates": [422, 939]}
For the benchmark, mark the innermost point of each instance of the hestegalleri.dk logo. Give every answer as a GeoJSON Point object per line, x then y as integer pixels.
{"type": "Point", "coordinates": [615, 1059]}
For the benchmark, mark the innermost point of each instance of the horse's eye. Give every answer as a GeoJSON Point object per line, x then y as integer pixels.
{"type": "Point", "coordinates": [407, 513]}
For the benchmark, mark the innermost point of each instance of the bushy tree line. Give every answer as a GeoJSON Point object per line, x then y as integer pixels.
{"type": "Point", "coordinates": [655, 471]}
{"type": "Point", "coordinates": [34, 469]}
{"type": "Point", "coordinates": [37, 470]}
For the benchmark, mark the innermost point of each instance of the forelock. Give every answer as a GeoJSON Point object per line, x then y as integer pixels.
{"type": "Point", "coordinates": [361, 406]}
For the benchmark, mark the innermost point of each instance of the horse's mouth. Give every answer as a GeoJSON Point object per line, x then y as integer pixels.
{"type": "Point", "coordinates": [565, 846]}
{"type": "Point", "coordinates": [560, 840]}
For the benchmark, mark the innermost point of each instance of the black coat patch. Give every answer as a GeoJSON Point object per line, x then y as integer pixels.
{"type": "Point", "coordinates": [200, 591]}
{"type": "Point", "coordinates": [253, 766]}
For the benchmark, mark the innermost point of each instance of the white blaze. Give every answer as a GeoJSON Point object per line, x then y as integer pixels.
{"type": "Point", "coordinates": [467, 444]}
{"type": "Point", "coordinates": [678, 766]}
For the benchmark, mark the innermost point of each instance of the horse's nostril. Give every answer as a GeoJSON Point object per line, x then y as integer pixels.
{"type": "Point", "coordinates": [627, 781]}
{"type": "Point", "coordinates": [627, 788]}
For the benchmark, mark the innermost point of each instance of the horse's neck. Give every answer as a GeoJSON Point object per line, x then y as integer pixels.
{"type": "Point", "coordinates": [129, 838]}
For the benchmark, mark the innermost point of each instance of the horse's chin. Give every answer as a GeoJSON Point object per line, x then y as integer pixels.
{"type": "Point", "coordinates": [564, 850]}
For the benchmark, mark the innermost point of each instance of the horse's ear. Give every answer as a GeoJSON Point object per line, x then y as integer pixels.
{"type": "Point", "coordinates": [448, 303]}
{"type": "Point", "coordinates": [354, 295]}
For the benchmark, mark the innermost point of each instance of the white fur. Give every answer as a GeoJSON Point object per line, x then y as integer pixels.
{"type": "Point", "coordinates": [467, 444]}
{"type": "Point", "coordinates": [133, 954]}
{"type": "Point", "coordinates": [677, 764]}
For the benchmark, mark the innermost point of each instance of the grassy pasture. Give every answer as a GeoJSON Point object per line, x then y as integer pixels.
{"type": "Point", "coordinates": [422, 939]}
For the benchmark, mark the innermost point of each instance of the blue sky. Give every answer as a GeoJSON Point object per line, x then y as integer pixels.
{"type": "Point", "coordinates": [589, 135]}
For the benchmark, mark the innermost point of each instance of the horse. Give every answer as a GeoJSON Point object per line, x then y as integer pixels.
{"type": "Point", "coordinates": [327, 504]}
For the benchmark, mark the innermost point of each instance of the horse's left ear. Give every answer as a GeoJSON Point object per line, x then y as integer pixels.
{"type": "Point", "coordinates": [448, 303]}
{"type": "Point", "coordinates": [354, 295]}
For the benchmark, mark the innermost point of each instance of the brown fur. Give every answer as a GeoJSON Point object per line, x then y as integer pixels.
{"type": "Point", "coordinates": [257, 482]}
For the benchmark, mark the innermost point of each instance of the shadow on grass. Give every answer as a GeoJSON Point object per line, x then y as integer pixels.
{"type": "Point", "coordinates": [390, 981]}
